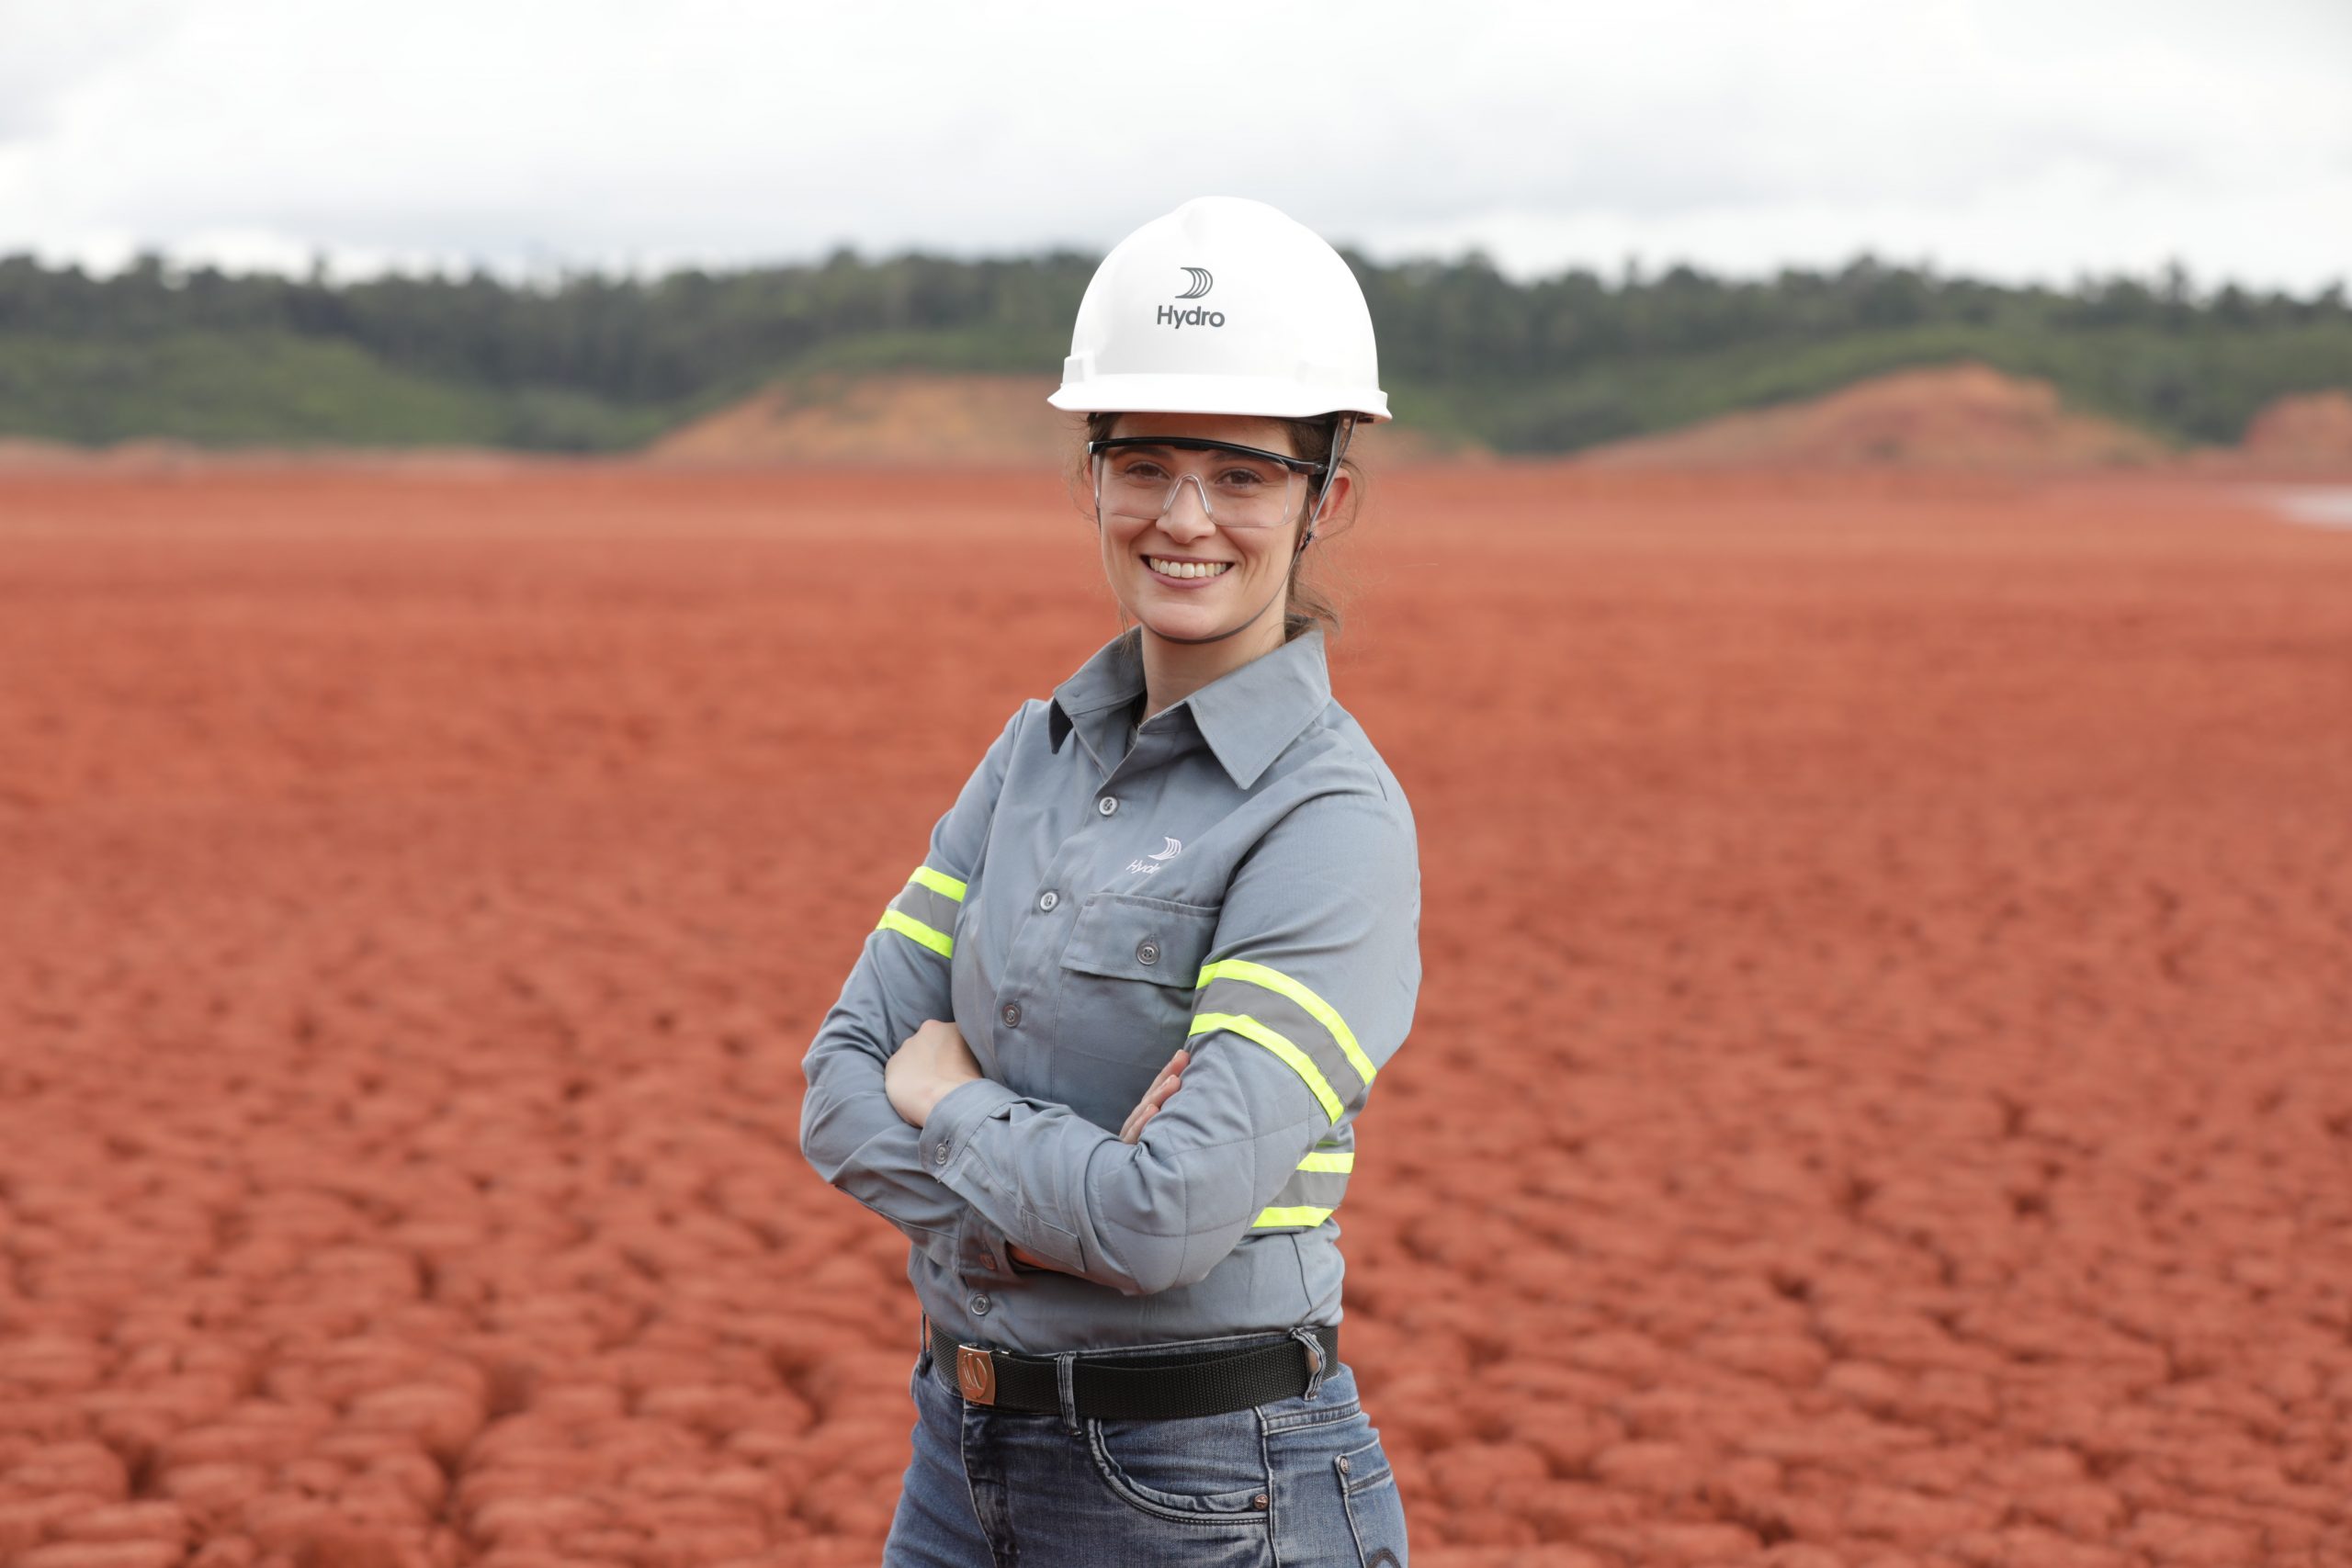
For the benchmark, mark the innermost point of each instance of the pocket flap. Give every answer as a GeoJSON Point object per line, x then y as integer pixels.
{"type": "Point", "coordinates": [1126, 938]}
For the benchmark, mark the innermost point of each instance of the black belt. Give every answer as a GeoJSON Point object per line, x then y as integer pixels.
{"type": "Point", "coordinates": [1124, 1386]}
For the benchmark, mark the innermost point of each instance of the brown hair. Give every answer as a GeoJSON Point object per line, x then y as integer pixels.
{"type": "Point", "coordinates": [1313, 602]}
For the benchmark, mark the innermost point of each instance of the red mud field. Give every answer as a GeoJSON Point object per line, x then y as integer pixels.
{"type": "Point", "coordinates": [1882, 1093]}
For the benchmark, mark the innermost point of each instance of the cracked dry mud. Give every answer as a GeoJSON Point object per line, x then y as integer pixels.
{"type": "Point", "coordinates": [1882, 1094]}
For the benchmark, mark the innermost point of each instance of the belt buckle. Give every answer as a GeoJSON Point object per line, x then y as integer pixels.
{"type": "Point", "coordinates": [976, 1374]}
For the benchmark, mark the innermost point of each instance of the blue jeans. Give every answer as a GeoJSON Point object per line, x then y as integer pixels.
{"type": "Point", "coordinates": [1301, 1482]}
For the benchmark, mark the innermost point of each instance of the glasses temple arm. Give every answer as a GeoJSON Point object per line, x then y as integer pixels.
{"type": "Point", "coordinates": [1331, 471]}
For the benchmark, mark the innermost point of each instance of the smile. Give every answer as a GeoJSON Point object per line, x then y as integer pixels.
{"type": "Point", "coordinates": [1181, 570]}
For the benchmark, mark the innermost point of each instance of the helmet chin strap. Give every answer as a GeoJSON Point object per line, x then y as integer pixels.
{"type": "Point", "coordinates": [1347, 427]}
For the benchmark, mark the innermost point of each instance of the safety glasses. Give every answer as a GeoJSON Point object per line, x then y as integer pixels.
{"type": "Point", "coordinates": [1136, 477]}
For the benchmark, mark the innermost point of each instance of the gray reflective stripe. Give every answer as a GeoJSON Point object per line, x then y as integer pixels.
{"type": "Point", "coordinates": [924, 916]}
{"type": "Point", "coordinates": [1290, 985]}
{"type": "Point", "coordinates": [932, 910]}
{"type": "Point", "coordinates": [1292, 1021]}
{"type": "Point", "coordinates": [1304, 1202]}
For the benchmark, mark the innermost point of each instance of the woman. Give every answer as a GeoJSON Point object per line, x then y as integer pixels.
{"type": "Point", "coordinates": [1181, 900]}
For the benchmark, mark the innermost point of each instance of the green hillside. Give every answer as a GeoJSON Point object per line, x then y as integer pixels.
{"type": "Point", "coordinates": [271, 388]}
{"type": "Point", "coordinates": [594, 364]}
{"type": "Point", "coordinates": [2186, 392]}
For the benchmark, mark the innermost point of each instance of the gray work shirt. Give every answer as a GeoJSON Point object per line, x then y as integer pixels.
{"type": "Point", "coordinates": [1238, 876]}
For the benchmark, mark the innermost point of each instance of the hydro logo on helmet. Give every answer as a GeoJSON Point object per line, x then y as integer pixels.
{"type": "Point", "coordinates": [1198, 316]}
{"type": "Point", "coordinates": [1202, 280]}
{"type": "Point", "coordinates": [1294, 338]}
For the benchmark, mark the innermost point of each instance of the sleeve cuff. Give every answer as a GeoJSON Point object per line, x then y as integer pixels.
{"type": "Point", "coordinates": [959, 1110]}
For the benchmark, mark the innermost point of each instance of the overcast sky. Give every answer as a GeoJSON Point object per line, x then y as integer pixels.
{"type": "Point", "coordinates": [2012, 139]}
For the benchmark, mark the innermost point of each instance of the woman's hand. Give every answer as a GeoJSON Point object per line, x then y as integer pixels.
{"type": "Point", "coordinates": [1169, 1080]}
{"type": "Point", "coordinates": [934, 1060]}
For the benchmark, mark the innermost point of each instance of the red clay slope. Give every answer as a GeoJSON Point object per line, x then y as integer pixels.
{"type": "Point", "coordinates": [2313, 431]}
{"type": "Point", "coordinates": [1963, 416]}
{"type": "Point", "coordinates": [1878, 1096]}
{"type": "Point", "coordinates": [993, 421]}
{"type": "Point", "coordinates": [924, 420]}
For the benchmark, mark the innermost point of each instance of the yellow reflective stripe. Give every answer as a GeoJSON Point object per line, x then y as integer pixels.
{"type": "Point", "coordinates": [1320, 1010]}
{"type": "Point", "coordinates": [1303, 1215]}
{"type": "Point", "coordinates": [1343, 1160]}
{"type": "Point", "coordinates": [938, 882]}
{"type": "Point", "coordinates": [1250, 1029]}
{"type": "Point", "coordinates": [908, 926]}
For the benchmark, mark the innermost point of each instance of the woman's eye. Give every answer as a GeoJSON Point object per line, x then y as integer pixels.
{"type": "Point", "coordinates": [1141, 468]}
{"type": "Point", "coordinates": [1242, 479]}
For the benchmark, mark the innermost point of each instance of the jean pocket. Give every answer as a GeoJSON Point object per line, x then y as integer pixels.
{"type": "Point", "coordinates": [1376, 1512]}
{"type": "Point", "coordinates": [1336, 1400]}
{"type": "Point", "coordinates": [1190, 1469]}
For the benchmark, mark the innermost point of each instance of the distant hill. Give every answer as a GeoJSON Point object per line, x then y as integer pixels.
{"type": "Point", "coordinates": [1000, 421]}
{"type": "Point", "coordinates": [903, 418]}
{"type": "Point", "coordinates": [1961, 416]}
{"type": "Point", "coordinates": [2312, 432]}
{"type": "Point", "coordinates": [1470, 357]}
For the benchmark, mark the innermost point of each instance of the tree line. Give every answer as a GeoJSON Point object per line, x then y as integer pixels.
{"type": "Point", "coordinates": [592, 361]}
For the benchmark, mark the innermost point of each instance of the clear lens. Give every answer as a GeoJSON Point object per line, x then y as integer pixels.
{"type": "Point", "coordinates": [1237, 489]}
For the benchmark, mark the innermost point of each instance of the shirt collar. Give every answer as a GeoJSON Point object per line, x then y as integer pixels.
{"type": "Point", "coordinates": [1247, 715]}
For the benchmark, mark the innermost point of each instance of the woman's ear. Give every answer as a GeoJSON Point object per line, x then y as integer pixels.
{"type": "Point", "coordinates": [1335, 499]}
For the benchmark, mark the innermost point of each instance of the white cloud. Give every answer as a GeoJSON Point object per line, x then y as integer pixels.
{"type": "Point", "coordinates": [2007, 137]}
{"type": "Point", "coordinates": [47, 51]}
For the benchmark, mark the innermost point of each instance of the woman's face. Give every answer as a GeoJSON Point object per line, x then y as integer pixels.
{"type": "Point", "coordinates": [1252, 588]}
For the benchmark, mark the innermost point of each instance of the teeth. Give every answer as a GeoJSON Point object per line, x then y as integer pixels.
{"type": "Point", "coordinates": [1187, 568]}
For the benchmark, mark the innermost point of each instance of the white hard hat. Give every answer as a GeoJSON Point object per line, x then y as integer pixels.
{"type": "Point", "coordinates": [1224, 306]}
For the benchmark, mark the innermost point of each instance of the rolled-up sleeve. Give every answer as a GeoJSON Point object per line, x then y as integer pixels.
{"type": "Point", "coordinates": [1307, 992]}
{"type": "Point", "coordinates": [849, 1130]}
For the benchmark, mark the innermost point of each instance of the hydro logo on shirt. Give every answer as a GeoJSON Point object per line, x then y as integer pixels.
{"type": "Point", "coordinates": [1151, 864]}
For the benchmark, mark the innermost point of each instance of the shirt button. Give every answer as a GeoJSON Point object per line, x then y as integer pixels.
{"type": "Point", "coordinates": [1106, 806]}
{"type": "Point", "coordinates": [1147, 952]}
{"type": "Point", "coordinates": [1048, 899]}
{"type": "Point", "coordinates": [1011, 1013]}
{"type": "Point", "coordinates": [979, 1305]}
{"type": "Point", "coordinates": [939, 1154]}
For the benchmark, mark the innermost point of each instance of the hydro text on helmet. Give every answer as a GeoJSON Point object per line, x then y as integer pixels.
{"type": "Point", "coordinates": [1198, 316]}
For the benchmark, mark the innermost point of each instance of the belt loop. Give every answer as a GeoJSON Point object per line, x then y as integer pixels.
{"type": "Point", "coordinates": [1305, 1334]}
{"type": "Point", "coordinates": [1066, 1384]}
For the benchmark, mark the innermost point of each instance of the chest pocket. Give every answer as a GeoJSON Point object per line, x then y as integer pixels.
{"type": "Point", "coordinates": [1127, 981]}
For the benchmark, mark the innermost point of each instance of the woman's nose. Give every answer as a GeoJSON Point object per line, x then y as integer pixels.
{"type": "Point", "coordinates": [1187, 515]}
